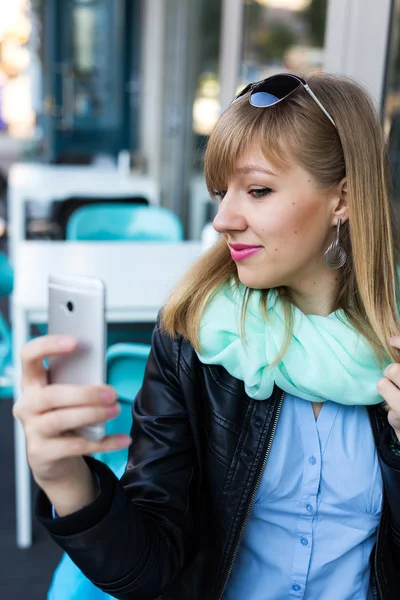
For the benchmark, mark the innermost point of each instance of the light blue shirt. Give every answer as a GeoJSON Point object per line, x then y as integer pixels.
{"type": "Point", "coordinates": [313, 524]}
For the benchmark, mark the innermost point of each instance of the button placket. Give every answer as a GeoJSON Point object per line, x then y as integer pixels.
{"type": "Point", "coordinates": [309, 491]}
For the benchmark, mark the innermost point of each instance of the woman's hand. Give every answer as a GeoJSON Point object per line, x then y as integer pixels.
{"type": "Point", "coordinates": [50, 413]}
{"type": "Point", "coordinates": [389, 389]}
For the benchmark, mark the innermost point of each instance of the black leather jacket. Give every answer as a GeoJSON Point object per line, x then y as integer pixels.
{"type": "Point", "coordinates": [171, 528]}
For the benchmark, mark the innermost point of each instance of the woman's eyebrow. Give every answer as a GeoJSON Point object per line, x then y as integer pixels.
{"type": "Point", "coordinates": [250, 168]}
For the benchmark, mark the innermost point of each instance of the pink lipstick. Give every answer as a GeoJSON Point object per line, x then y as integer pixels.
{"type": "Point", "coordinates": [242, 251]}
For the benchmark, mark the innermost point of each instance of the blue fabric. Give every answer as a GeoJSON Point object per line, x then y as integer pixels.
{"type": "Point", "coordinates": [314, 521]}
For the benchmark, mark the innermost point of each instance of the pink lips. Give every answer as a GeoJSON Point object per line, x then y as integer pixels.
{"type": "Point", "coordinates": [242, 251]}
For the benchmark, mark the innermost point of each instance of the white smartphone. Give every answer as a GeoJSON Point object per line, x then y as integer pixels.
{"type": "Point", "coordinates": [77, 308]}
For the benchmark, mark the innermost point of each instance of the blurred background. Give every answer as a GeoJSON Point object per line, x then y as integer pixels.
{"type": "Point", "coordinates": [108, 105]}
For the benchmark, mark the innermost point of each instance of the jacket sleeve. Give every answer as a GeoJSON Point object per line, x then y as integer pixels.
{"type": "Point", "coordinates": [134, 539]}
{"type": "Point", "coordinates": [391, 480]}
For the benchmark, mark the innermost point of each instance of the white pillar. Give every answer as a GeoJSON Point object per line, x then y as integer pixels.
{"type": "Point", "coordinates": [230, 49]}
{"type": "Point", "coordinates": [23, 506]}
{"type": "Point", "coordinates": [356, 41]}
{"type": "Point", "coordinates": [152, 67]}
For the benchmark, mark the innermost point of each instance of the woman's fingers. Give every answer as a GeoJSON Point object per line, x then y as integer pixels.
{"type": "Point", "coordinates": [73, 446]}
{"type": "Point", "coordinates": [388, 387]}
{"type": "Point", "coordinates": [34, 352]}
{"type": "Point", "coordinates": [56, 422]}
{"type": "Point", "coordinates": [50, 414]}
{"type": "Point", "coordinates": [389, 392]}
{"type": "Point", "coordinates": [56, 396]}
{"type": "Point", "coordinates": [392, 372]}
{"type": "Point", "coordinates": [38, 400]}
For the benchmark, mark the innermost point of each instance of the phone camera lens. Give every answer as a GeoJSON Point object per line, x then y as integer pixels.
{"type": "Point", "coordinates": [70, 306]}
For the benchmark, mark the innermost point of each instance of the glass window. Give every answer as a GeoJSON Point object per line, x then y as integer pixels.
{"type": "Point", "coordinates": [93, 78]}
{"type": "Point", "coordinates": [392, 100]}
{"type": "Point", "coordinates": [206, 110]}
{"type": "Point", "coordinates": [84, 38]}
{"type": "Point", "coordinates": [282, 35]}
{"type": "Point", "coordinates": [206, 104]}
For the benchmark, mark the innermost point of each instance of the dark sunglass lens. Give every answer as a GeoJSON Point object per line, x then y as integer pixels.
{"type": "Point", "coordinates": [273, 89]}
{"type": "Point", "coordinates": [263, 99]}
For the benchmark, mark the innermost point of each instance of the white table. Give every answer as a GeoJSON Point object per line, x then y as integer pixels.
{"type": "Point", "coordinates": [47, 183]}
{"type": "Point", "coordinates": [138, 278]}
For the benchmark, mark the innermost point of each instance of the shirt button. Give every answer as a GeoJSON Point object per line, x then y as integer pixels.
{"type": "Point", "coordinates": [304, 541]}
{"type": "Point", "coordinates": [309, 508]}
{"type": "Point", "coordinates": [312, 460]}
{"type": "Point", "coordinates": [296, 587]}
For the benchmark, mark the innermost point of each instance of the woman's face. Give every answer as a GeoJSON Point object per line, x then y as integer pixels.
{"type": "Point", "coordinates": [284, 218]}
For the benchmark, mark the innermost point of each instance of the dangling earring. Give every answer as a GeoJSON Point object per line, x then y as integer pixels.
{"type": "Point", "coordinates": [335, 256]}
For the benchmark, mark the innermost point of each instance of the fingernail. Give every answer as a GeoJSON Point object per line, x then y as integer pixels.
{"type": "Point", "coordinates": [66, 342]}
{"type": "Point", "coordinates": [394, 340]}
{"type": "Point", "coordinates": [390, 370]}
{"type": "Point", "coordinates": [113, 410]}
{"type": "Point", "coordinates": [107, 395]}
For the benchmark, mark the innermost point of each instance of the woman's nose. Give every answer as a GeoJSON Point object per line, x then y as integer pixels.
{"type": "Point", "coordinates": [229, 217]}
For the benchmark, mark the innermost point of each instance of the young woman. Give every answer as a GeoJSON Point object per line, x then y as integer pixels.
{"type": "Point", "coordinates": [265, 461]}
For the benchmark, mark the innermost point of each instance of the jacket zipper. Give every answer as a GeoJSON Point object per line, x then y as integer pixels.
{"type": "Point", "coordinates": [253, 497]}
{"type": "Point", "coordinates": [378, 583]}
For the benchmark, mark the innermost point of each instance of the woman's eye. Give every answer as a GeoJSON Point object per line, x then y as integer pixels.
{"type": "Point", "coordinates": [219, 195]}
{"type": "Point", "coordinates": [260, 192]}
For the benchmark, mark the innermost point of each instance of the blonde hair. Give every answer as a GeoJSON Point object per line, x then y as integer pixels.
{"type": "Point", "coordinates": [368, 287]}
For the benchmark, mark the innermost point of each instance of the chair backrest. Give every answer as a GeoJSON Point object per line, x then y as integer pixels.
{"type": "Point", "coordinates": [6, 276]}
{"type": "Point", "coordinates": [126, 365]}
{"type": "Point", "coordinates": [106, 222]}
{"type": "Point", "coordinates": [62, 210]}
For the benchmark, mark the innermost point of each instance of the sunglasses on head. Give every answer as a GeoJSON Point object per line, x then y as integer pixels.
{"type": "Point", "coordinates": [274, 89]}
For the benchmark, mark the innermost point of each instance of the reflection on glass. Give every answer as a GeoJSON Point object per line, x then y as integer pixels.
{"type": "Point", "coordinates": [91, 72]}
{"type": "Point", "coordinates": [278, 35]}
{"type": "Point", "coordinates": [392, 101]}
{"type": "Point", "coordinates": [206, 104]}
{"type": "Point", "coordinates": [205, 111]}
{"type": "Point", "coordinates": [282, 35]}
{"type": "Point", "coordinates": [84, 32]}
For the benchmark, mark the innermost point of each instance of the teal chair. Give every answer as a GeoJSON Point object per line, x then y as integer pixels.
{"type": "Point", "coordinates": [126, 364]}
{"type": "Point", "coordinates": [6, 358]}
{"type": "Point", "coordinates": [6, 288]}
{"type": "Point", "coordinates": [122, 222]}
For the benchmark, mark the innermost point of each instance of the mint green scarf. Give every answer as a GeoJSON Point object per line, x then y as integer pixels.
{"type": "Point", "coordinates": [326, 360]}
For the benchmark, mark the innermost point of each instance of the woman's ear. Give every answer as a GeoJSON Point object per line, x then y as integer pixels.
{"type": "Point", "coordinates": [341, 204]}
